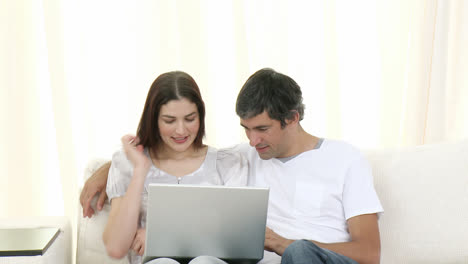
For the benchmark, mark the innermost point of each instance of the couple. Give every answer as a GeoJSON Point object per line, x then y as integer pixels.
{"type": "Point", "coordinates": [322, 209]}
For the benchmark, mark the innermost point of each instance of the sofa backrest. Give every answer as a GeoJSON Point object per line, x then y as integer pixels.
{"type": "Point", "coordinates": [424, 192]}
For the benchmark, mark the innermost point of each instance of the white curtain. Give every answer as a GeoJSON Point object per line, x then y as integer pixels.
{"type": "Point", "coordinates": [74, 76]}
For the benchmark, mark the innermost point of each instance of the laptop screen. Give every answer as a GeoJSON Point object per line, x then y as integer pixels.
{"type": "Point", "coordinates": [186, 221]}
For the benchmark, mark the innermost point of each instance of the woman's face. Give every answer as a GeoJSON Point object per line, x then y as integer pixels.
{"type": "Point", "coordinates": [178, 124]}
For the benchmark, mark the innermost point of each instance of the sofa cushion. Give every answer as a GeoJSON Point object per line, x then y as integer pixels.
{"type": "Point", "coordinates": [424, 192]}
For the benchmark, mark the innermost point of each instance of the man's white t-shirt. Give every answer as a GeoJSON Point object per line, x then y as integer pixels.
{"type": "Point", "coordinates": [313, 194]}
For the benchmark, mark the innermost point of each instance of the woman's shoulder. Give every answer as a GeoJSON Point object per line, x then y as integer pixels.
{"type": "Point", "coordinates": [232, 166]}
{"type": "Point", "coordinates": [216, 156]}
{"type": "Point", "coordinates": [119, 155]}
{"type": "Point", "coordinates": [229, 156]}
{"type": "Point", "coordinates": [120, 162]}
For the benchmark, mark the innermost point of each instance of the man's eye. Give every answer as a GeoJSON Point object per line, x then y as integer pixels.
{"type": "Point", "coordinates": [262, 129]}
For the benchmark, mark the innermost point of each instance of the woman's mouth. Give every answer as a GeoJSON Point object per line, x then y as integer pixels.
{"type": "Point", "coordinates": [179, 140]}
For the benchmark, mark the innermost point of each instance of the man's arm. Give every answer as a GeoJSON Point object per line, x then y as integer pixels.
{"type": "Point", "coordinates": [94, 185]}
{"type": "Point", "coordinates": [364, 246]}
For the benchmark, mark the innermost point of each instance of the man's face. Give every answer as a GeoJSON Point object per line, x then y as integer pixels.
{"type": "Point", "coordinates": [266, 135]}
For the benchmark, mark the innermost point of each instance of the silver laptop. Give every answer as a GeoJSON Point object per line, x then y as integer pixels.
{"type": "Point", "coordinates": [186, 221]}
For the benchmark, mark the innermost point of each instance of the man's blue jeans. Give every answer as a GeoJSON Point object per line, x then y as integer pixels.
{"type": "Point", "coordinates": [306, 252]}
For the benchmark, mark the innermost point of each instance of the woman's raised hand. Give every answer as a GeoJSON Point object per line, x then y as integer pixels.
{"type": "Point", "coordinates": [134, 152]}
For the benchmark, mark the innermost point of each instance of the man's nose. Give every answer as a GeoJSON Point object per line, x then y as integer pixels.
{"type": "Point", "coordinates": [254, 139]}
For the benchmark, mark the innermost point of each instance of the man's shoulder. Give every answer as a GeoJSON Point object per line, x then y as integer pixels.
{"type": "Point", "coordinates": [340, 146]}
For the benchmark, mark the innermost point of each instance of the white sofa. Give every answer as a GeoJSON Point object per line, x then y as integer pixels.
{"type": "Point", "coordinates": [424, 191]}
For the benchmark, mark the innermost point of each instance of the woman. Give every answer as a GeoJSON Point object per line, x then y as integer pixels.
{"type": "Point", "coordinates": [168, 148]}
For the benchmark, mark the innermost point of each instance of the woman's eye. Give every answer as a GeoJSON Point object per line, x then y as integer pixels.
{"type": "Point", "coordinates": [190, 120]}
{"type": "Point", "coordinates": [168, 121]}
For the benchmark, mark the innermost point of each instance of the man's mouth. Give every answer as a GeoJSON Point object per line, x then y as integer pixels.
{"type": "Point", "coordinates": [261, 149]}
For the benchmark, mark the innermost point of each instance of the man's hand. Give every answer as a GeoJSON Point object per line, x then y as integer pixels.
{"type": "Point", "coordinates": [94, 185]}
{"type": "Point", "coordinates": [275, 242]}
{"type": "Point", "coordinates": [138, 244]}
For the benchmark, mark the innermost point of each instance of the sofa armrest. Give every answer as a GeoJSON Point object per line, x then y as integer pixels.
{"type": "Point", "coordinates": [90, 247]}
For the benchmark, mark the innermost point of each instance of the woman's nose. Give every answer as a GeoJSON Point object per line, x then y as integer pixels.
{"type": "Point", "coordinates": [180, 129]}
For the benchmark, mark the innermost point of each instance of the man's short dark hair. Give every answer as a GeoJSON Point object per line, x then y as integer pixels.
{"type": "Point", "coordinates": [267, 90]}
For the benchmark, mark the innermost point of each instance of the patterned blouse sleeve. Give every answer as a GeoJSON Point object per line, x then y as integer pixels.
{"type": "Point", "coordinates": [120, 174]}
{"type": "Point", "coordinates": [233, 167]}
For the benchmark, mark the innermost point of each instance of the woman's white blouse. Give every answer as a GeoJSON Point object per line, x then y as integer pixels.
{"type": "Point", "coordinates": [220, 167]}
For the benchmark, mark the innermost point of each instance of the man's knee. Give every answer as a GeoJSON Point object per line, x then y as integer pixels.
{"type": "Point", "coordinates": [302, 251]}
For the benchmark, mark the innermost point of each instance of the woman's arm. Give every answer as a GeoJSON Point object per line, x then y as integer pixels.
{"type": "Point", "coordinates": [123, 219]}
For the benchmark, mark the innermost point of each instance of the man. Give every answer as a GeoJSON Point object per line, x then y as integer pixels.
{"type": "Point", "coordinates": [323, 207]}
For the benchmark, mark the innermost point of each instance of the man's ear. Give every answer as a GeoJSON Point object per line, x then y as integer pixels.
{"type": "Point", "coordinates": [294, 118]}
